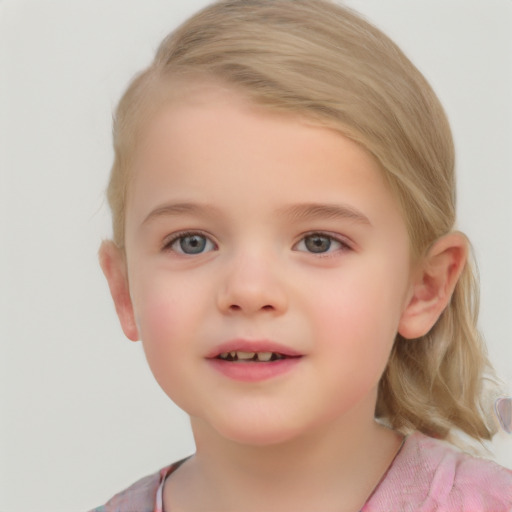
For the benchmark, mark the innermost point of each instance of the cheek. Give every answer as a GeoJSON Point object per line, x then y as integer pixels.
{"type": "Point", "coordinates": [159, 300]}
{"type": "Point", "coordinates": [168, 312]}
{"type": "Point", "coordinates": [157, 312]}
{"type": "Point", "coordinates": [358, 340]}
{"type": "Point", "coordinates": [164, 340]}
{"type": "Point", "coordinates": [363, 309]}
{"type": "Point", "coordinates": [158, 332]}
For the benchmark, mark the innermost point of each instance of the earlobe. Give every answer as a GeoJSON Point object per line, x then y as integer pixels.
{"type": "Point", "coordinates": [433, 285]}
{"type": "Point", "coordinates": [113, 264]}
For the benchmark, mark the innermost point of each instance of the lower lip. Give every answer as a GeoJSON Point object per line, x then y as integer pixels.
{"type": "Point", "coordinates": [252, 371]}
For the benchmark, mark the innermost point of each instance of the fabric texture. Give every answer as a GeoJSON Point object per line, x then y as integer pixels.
{"type": "Point", "coordinates": [427, 475]}
{"type": "Point", "coordinates": [430, 475]}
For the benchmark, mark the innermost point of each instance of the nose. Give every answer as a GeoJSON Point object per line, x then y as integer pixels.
{"type": "Point", "coordinates": [252, 283]}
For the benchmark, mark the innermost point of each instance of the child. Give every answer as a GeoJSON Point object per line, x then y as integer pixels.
{"type": "Point", "coordinates": [284, 247]}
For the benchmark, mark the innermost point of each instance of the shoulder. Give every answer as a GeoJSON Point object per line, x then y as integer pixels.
{"type": "Point", "coordinates": [432, 475]}
{"type": "Point", "coordinates": [139, 497]}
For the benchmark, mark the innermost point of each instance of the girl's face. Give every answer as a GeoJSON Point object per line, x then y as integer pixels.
{"type": "Point", "coordinates": [268, 267]}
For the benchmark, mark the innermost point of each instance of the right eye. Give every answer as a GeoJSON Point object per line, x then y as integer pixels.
{"type": "Point", "coordinates": [190, 243]}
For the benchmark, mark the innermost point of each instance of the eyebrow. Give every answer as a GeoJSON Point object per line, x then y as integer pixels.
{"type": "Point", "coordinates": [180, 209]}
{"type": "Point", "coordinates": [309, 211]}
{"type": "Point", "coordinates": [299, 212]}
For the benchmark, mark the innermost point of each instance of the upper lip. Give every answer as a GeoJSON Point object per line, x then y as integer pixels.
{"type": "Point", "coordinates": [245, 345]}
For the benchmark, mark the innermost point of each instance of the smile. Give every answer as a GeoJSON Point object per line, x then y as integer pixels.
{"type": "Point", "coordinates": [253, 360]}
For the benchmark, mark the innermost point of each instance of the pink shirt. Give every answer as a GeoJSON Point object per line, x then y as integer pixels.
{"type": "Point", "coordinates": [427, 475]}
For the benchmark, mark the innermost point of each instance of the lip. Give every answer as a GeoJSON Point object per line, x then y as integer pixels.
{"type": "Point", "coordinates": [244, 345]}
{"type": "Point", "coordinates": [253, 371]}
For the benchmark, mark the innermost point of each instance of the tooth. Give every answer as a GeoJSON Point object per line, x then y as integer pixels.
{"type": "Point", "coordinates": [233, 355]}
{"type": "Point", "coordinates": [245, 355]}
{"type": "Point", "coordinates": [224, 355]}
{"type": "Point", "coordinates": [264, 356]}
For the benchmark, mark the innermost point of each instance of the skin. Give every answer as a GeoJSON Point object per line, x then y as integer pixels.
{"type": "Point", "coordinates": [333, 283]}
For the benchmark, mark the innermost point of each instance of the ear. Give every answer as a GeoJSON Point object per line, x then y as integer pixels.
{"type": "Point", "coordinates": [433, 285]}
{"type": "Point", "coordinates": [113, 264]}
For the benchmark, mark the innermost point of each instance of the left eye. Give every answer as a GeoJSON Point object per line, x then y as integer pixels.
{"type": "Point", "coordinates": [318, 243]}
{"type": "Point", "coordinates": [191, 243]}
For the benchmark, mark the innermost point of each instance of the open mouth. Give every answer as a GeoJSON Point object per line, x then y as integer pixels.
{"type": "Point", "coordinates": [253, 361]}
{"type": "Point", "coordinates": [247, 357]}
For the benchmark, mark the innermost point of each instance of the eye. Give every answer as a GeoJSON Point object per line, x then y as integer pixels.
{"type": "Point", "coordinates": [190, 243]}
{"type": "Point", "coordinates": [320, 243]}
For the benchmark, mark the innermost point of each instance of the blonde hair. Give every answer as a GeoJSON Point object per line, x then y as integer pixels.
{"type": "Point", "coordinates": [320, 60]}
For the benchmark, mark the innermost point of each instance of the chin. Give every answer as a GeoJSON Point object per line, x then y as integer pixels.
{"type": "Point", "coordinates": [258, 432]}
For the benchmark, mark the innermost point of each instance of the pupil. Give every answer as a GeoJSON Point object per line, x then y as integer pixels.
{"type": "Point", "coordinates": [318, 243]}
{"type": "Point", "coordinates": [193, 244]}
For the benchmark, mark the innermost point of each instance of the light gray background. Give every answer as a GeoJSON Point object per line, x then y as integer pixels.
{"type": "Point", "coordinates": [81, 416]}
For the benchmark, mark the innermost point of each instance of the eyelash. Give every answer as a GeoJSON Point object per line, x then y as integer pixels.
{"type": "Point", "coordinates": [179, 237]}
{"type": "Point", "coordinates": [342, 245]}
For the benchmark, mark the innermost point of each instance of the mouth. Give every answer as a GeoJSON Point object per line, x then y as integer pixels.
{"type": "Point", "coordinates": [253, 361]}
{"type": "Point", "coordinates": [252, 351]}
{"type": "Point", "coordinates": [239, 356]}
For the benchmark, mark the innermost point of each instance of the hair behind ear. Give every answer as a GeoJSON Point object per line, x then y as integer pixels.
{"type": "Point", "coordinates": [435, 382]}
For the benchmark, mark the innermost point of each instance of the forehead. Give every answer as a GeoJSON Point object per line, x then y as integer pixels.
{"type": "Point", "coordinates": [210, 143]}
{"type": "Point", "coordinates": [195, 112]}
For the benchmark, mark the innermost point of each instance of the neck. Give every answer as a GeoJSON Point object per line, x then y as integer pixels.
{"type": "Point", "coordinates": [332, 468]}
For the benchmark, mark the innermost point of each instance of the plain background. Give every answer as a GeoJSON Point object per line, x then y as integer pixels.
{"type": "Point", "coordinates": [81, 416]}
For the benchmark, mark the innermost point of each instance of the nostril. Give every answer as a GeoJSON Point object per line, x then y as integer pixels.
{"type": "Point", "coordinates": [236, 307]}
